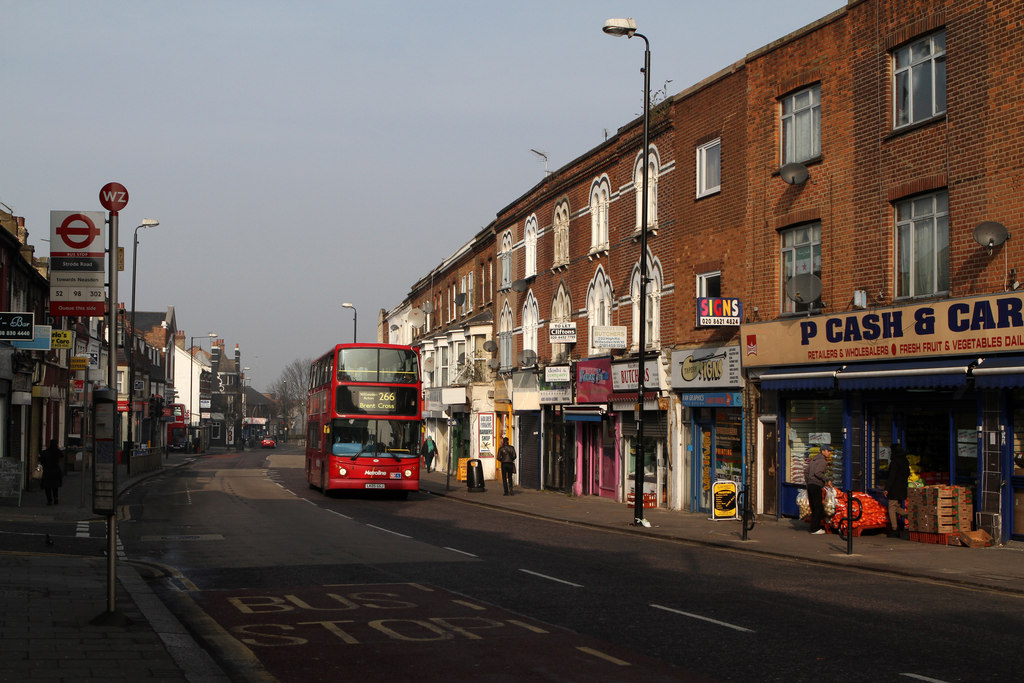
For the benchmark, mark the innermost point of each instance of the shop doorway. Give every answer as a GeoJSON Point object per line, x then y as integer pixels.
{"type": "Point", "coordinates": [769, 467]}
{"type": "Point", "coordinates": [718, 437]}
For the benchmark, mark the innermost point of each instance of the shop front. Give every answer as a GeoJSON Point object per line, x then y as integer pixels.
{"type": "Point", "coordinates": [625, 406]}
{"type": "Point", "coordinates": [708, 382]}
{"type": "Point", "coordinates": [945, 381]}
{"type": "Point", "coordinates": [558, 449]}
{"type": "Point", "coordinates": [597, 473]}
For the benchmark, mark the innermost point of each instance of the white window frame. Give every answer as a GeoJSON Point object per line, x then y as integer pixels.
{"type": "Point", "coordinates": [506, 339]}
{"type": "Point", "coordinates": [922, 225]}
{"type": "Point", "coordinates": [561, 312]}
{"type": "Point", "coordinates": [709, 183]}
{"type": "Point", "coordinates": [506, 260]}
{"type": "Point", "coordinates": [919, 71]}
{"type": "Point", "coordinates": [561, 234]}
{"type": "Point", "coordinates": [800, 113]}
{"type": "Point", "coordinates": [799, 254]}
{"type": "Point", "coordinates": [530, 246]}
{"type": "Point", "coordinates": [600, 199]}
{"type": "Point", "coordinates": [531, 320]}
{"type": "Point", "coordinates": [652, 333]}
{"type": "Point", "coordinates": [653, 164]}
{"type": "Point", "coordinates": [600, 304]}
{"type": "Point", "coordinates": [704, 284]}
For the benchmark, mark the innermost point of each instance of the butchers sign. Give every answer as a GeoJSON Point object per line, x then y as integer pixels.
{"type": "Point", "coordinates": [989, 324]}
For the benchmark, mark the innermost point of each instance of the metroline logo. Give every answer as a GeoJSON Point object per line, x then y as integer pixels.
{"type": "Point", "coordinates": [375, 473]}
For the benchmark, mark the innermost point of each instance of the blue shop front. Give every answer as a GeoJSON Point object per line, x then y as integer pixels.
{"type": "Point", "coordinates": [944, 380]}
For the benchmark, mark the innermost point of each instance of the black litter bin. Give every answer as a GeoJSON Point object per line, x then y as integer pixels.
{"type": "Point", "coordinates": [475, 475]}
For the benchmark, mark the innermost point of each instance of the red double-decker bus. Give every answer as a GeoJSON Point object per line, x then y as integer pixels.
{"type": "Point", "coordinates": [364, 413]}
{"type": "Point", "coordinates": [177, 429]}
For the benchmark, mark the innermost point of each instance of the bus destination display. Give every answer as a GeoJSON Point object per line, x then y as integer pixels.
{"type": "Point", "coordinates": [376, 400]}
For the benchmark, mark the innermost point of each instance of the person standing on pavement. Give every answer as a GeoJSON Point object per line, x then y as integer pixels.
{"type": "Point", "coordinates": [896, 487]}
{"type": "Point", "coordinates": [52, 459]}
{"type": "Point", "coordinates": [429, 452]}
{"type": "Point", "coordinates": [507, 458]}
{"type": "Point", "coordinates": [816, 478]}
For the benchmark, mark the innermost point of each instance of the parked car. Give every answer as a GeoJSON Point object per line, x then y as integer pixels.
{"type": "Point", "coordinates": [268, 442]}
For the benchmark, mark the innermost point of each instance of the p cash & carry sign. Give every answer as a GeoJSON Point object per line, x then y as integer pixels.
{"type": "Point", "coordinates": [987, 324]}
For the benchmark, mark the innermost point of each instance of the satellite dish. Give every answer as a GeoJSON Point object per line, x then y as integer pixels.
{"type": "Point", "coordinates": [794, 173]}
{"type": "Point", "coordinates": [520, 286]}
{"type": "Point", "coordinates": [415, 317]}
{"type": "Point", "coordinates": [394, 327]}
{"type": "Point", "coordinates": [527, 358]}
{"type": "Point", "coordinates": [428, 307]}
{"type": "Point", "coordinates": [460, 298]}
{"type": "Point", "coordinates": [990, 234]}
{"type": "Point", "coordinates": [490, 346]}
{"type": "Point", "coordinates": [428, 365]}
{"type": "Point", "coordinates": [494, 364]}
{"type": "Point", "coordinates": [804, 288]}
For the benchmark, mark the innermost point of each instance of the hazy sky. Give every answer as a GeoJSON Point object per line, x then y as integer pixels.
{"type": "Point", "coordinates": [303, 154]}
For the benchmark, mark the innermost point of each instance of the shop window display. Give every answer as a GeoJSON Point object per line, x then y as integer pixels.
{"type": "Point", "coordinates": [810, 424]}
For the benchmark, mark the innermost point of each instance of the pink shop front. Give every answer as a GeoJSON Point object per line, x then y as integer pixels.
{"type": "Point", "coordinates": [605, 429]}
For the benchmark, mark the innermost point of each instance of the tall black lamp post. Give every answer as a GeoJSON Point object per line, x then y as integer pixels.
{"type": "Point", "coordinates": [354, 316]}
{"type": "Point", "coordinates": [129, 340]}
{"type": "Point", "coordinates": [627, 27]}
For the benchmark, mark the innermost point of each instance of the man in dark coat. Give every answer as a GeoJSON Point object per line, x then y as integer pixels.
{"type": "Point", "coordinates": [896, 486]}
{"type": "Point", "coordinates": [816, 478]}
{"type": "Point", "coordinates": [51, 459]}
{"type": "Point", "coordinates": [507, 458]}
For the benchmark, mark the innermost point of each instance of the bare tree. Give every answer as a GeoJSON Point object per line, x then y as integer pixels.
{"type": "Point", "coordinates": [289, 391]}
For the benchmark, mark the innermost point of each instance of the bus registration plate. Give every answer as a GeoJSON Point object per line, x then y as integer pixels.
{"type": "Point", "coordinates": [375, 486]}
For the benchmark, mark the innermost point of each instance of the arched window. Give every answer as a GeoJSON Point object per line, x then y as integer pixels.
{"type": "Point", "coordinates": [506, 260]}
{"type": "Point", "coordinates": [530, 243]}
{"type": "Point", "coordinates": [561, 234]}
{"type": "Point", "coordinates": [506, 340]}
{"type": "Point", "coordinates": [531, 319]}
{"type": "Point", "coordinates": [653, 164]}
{"type": "Point", "coordinates": [561, 312]}
{"type": "Point", "coordinates": [655, 280]}
{"type": "Point", "coordinates": [600, 301]}
{"type": "Point", "coordinates": [600, 197]}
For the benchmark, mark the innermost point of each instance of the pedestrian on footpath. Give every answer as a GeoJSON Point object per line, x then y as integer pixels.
{"type": "Point", "coordinates": [896, 487]}
{"type": "Point", "coordinates": [816, 478]}
{"type": "Point", "coordinates": [507, 458]}
{"type": "Point", "coordinates": [52, 460]}
{"type": "Point", "coordinates": [429, 452]}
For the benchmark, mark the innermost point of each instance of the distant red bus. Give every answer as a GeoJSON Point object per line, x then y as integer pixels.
{"type": "Point", "coordinates": [364, 413]}
{"type": "Point", "coordinates": [177, 429]}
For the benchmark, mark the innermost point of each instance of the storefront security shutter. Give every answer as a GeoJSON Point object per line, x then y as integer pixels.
{"type": "Point", "coordinates": [529, 456]}
{"type": "Point", "coordinates": [655, 425]}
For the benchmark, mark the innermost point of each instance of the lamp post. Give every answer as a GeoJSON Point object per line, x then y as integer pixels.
{"type": "Point", "coordinates": [191, 375]}
{"type": "Point", "coordinates": [354, 316]}
{"type": "Point", "coordinates": [129, 340]}
{"type": "Point", "coordinates": [627, 27]}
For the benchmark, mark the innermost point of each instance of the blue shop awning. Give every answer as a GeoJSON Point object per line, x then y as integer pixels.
{"type": "Point", "coordinates": [921, 374]}
{"type": "Point", "coordinates": [584, 413]}
{"type": "Point", "coordinates": [800, 377]}
{"type": "Point", "coordinates": [997, 372]}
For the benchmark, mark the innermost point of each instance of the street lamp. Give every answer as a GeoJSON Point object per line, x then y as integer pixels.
{"type": "Point", "coordinates": [191, 375]}
{"type": "Point", "coordinates": [130, 339]}
{"type": "Point", "coordinates": [354, 316]}
{"type": "Point", "coordinates": [627, 27]}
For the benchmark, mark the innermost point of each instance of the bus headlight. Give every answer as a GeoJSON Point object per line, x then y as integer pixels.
{"type": "Point", "coordinates": [408, 474]}
{"type": "Point", "coordinates": [342, 472]}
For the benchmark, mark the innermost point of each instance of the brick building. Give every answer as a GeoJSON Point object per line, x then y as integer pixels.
{"type": "Point", "coordinates": [828, 263]}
